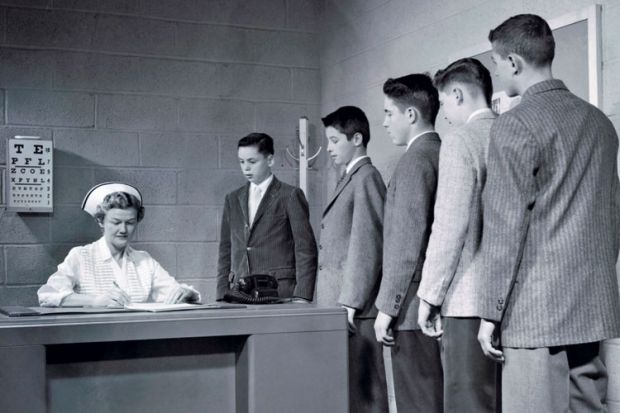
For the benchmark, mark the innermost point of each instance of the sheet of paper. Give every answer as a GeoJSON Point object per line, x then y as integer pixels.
{"type": "Point", "coordinates": [164, 307]}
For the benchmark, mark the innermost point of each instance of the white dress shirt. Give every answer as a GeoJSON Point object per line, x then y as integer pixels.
{"type": "Point", "coordinates": [478, 112]}
{"type": "Point", "coordinates": [353, 162]}
{"type": "Point", "coordinates": [257, 192]}
{"type": "Point", "coordinates": [417, 136]}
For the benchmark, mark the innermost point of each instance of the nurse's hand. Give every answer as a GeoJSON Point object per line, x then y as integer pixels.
{"type": "Point", "coordinates": [113, 298]}
{"type": "Point", "coordinates": [182, 295]}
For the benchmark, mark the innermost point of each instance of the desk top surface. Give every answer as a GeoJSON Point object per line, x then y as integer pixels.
{"type": "Point", "coordinates": [254, 319]}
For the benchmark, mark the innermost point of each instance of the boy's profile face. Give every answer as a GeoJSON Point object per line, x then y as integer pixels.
{"type": "Point", "coordinates": [450, 107]}
{"type": "Point", "coordinates": [255, 166]}
{"type": "Point", "coordinates": [505, 72]}
{"type": "Point", "coordinates": [339, 148]}
{"type": "Point", "coordinates": [396, 122]}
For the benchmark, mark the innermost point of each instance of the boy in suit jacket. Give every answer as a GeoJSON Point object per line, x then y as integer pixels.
{"type": "Point", "coordinates": [551, 234]}
{"type": "Point", "coordinates": [450, 285]}
{"type": "Point", "coordinates": [350, 253]}
{"type": "Point", "coordinates": [265, 227]}
{"type": "Point", "coordinates": [411, 105]}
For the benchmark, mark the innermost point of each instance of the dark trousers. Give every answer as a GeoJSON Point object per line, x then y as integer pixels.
{"type": "Point", "coordinates": [469, 378]}
{"type": "Point", "coordinates": [418, 376]}
{"type": "Point", "coordinates": [367, 388]}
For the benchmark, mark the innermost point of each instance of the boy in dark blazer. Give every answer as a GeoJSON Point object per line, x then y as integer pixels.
{"type": "Point", "coordinates": [265, 227]}
{"type": "Point", "coordinates": [551, 232]}
{"type": "Point", "coordinates": [411, 105]}
{"type": "Point", "coordinates": [451, 284]}
{"type": "Point", "coordinates": [350, 253]}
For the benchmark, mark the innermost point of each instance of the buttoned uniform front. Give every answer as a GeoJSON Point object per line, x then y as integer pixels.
{"type": "Point", "coordinates": [90, 269]}
{"type": "Point", "coordinates": [279, 242]}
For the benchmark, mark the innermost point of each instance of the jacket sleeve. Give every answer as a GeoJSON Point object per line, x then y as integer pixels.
{"type": "Point", "coordinates": [223, 261]}
{"type": "Point", "coordinates": [364, 256]}
{"type": "Point", "coordinates": [508, 197]}
{"type": "Point", "coordinates": [409, 205]}
{"type": "Point", "coordinates": [455, 191]}
{"type": "Point", "coordinates": [304, 243]}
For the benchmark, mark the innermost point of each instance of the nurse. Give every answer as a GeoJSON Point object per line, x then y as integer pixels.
{"type": "Point", "coordinates": [109, 272]}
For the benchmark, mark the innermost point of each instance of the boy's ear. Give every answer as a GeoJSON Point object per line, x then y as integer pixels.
{"type": "Point", "coordinates": [270, 160]}
{"type": "Point", "coordinates": [516, 62]}
{"type": "Point", "coordinates": [357, 139]}
{"type": "Point", "coordinates": [457, 92]}
{"type": "Point", "coordinates": [412, 114]}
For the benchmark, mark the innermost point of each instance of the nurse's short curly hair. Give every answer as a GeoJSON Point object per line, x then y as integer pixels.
{"type": "Point", "coordinates": [121, 200]}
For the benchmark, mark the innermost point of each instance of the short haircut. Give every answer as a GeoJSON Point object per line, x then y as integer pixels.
{"type": "Point", "coordinates": [349, 120]}
{"type": "Point", "coordinates": [527, 35]}
{"type": "Point", "coordinates": [468, 71]}
{"type": "Point", "coordinates": [262, 141]}
{"type": "Point", "coordinates": [120, 200]}
{"type": "Point", "coordinates": [415, 90]}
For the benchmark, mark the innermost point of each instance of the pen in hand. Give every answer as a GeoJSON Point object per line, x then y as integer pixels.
{"type": "Point", "coordinates": [123, 298]}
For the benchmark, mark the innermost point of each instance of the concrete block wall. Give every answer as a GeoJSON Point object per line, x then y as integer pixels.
{"type": "Point", "coordinates": [365, 42]}
{"type": "Point", "coordinates": [153, 93]}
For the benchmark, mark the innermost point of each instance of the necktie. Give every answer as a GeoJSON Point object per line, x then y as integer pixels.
{"type": "Point", "coordinates": [255, 196]}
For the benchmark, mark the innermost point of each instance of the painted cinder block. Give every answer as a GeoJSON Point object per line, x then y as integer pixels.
{"type": "Point", "coordinates": [164, 253]}
{"type": "Point", "coordinates": [306, 85]}
{"type": "Point", "coordinates": [197, 260]}
{"type": "Point", "coordinates": [136, 112]}
{"type": "Point", "coordinates": [237, 44]}
{"type": "Point", "coordinates": [264, 13]}
{"type": "Point", "coordinates": [113, 6]}
{"type": "Point", "coordinates": [156, 186]}
{"type": "Point", "coordinates": [72, 184]}
{"type": "Point", "coordinates": [304, 15]}
{"type": "Point", "coordinates": [98, 72]}
{"type": "Point", "coordinates": [9, 132]}
{"type": "Point", "coordinates": [24, 228]}
{"type": "Point", "coordinates": [274, 118]}
{"type": "Point", "coordinates": [206, 287]}
{"type": "Point", "coordinates": [72, 225]}
{"type": "Point", "coordinates": [179, 223]}
{"type": "Point", "coordinates": [206, 186]}
{"type": "Point", "coordinates": [136, 35]}
{"type": "Point", "coordinates": [33, 264]}
{"type": "Point", "coordinates": [210, 115]}
{"type": "Point", "coordinates": [179, 150]}
{"type": "Point", "coordinates": [19, 295]}
{"type": "Point", "coordinates": [25, 68]}
{"type": "Point", "coordinates": [53, 28]}
{"type": "Point", "coordinates": [34, 107]}
{"type": "Point", "coordinates": [77, 147]}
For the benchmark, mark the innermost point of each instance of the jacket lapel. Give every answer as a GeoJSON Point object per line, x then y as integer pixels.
{"type": "Point", "coordinates": [243, 202]}
{"type": "Point", "coordinates": [268, 199]}
{"type": "Point", "coordinates": [340, 187]}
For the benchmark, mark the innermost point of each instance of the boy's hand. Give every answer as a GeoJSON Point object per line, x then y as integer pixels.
{"type": "Point", "coordinates": [382, 326]}
{"type": "Point", "coordinates": [351, 319]}
{"type": "Point", "coordinates": [486, 335]}
{"type": "Point", "coordinates": [429, 320]}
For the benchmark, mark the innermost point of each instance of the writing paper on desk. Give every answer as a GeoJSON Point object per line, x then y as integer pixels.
{"type": "Point", "coordinates": [156, 307]}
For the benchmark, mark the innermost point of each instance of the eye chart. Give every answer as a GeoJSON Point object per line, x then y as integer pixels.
{"type": "Point", "coordinates": [30, 165]}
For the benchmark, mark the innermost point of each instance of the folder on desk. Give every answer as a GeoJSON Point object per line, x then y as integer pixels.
{"type": "Point", "coordinates": [157, 307]}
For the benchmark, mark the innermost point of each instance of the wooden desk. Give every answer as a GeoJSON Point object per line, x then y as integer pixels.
{"type": "Point", "coordinates": [263, 359]}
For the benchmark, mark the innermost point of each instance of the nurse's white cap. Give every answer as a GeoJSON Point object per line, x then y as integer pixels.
{"type": "Point", "coordinates": [98, 192]}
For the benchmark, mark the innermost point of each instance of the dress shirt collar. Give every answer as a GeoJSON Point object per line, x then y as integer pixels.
{"type": "Point", "coordinates": [475, 113]}
{"type": "Point", "coordinates": [354, 162]}
{"type": "Point", "coordinates": [263, 185]}
{"type": "Point", "coordinates": [417, 136]}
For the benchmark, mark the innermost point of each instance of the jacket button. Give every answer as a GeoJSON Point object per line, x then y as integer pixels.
{"type": "Point", "coordinates": [249, 249]}
{"type": "Point", "coordinates": [320, 267]}
{"type": "Point", "coordinates": [396, 306]}
{"type": "Point", "coordinates": [320, 247]}
{"type": "Point", "coordinates": [499, 307]}
{"type": "Point", "coordinates": [500, 301]}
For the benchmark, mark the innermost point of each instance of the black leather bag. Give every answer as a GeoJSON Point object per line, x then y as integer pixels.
{"type": "Point", "coordinates": [254, 289]}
